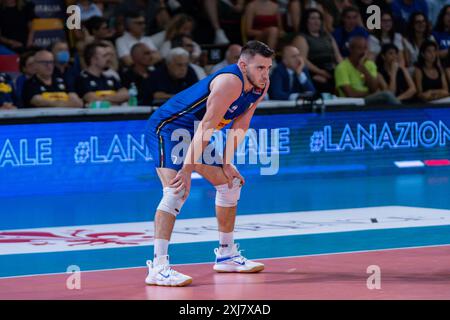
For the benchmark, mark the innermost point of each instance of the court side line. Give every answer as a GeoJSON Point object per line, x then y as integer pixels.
{"type": "Point", "coordinates": [211, 262]}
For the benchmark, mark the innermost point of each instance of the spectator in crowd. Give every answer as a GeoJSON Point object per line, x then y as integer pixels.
{"type": "Point", "coordinates": [231, 56]}
{"type": "Point", "coordinates": [135, 26]}
{"type": "Point", "coordinates": [7, 94]}
{"type": "Point", "coordinates": [112, 62]}
{"type": "Point", "coordinates": [92, 84]}
{"type": "Point", "coordinates": [229, 19]}
{"type": "Point", "coordinates": [98, 29]}
{"type": "Point", "coordinates": [447, 69]}
{"type": "Point", "coordinates": [403, 9]}
{"type": "Point", "coordinates": [434, 8]}
{"type": "Point", "coordinates": [291, 13]}
{"type": "Point", "coordinates": [181, 24]}
{"type": "Point", "coordinates": [429, 76]}
{"type": "Point", "coordinates": [27, 70]}
{"type": "Point", "coordinates": [396, 76]}
{"type": "Point", "coordinates": [327, 20]}
{"type": "Point", "coordinates": [418, 31]}
{"type": "Point", "coordinates": [173, 76]}
{"type": "Point", "coordinates": [363, 5]}
{"type": "Point", "coordinates": [290, 78]}
{"type": "Point", "coordinates": [45, 89]}
{"type": "Point", "coordinates": [386, 35]}
{"type": "Point", "coordinates": [263, 22]}
{"type": "Point", "coordinates": [154, 11]}
{"type": "Point", "coordinates": [351, 20]}
{"type": "Point", "coordinates": [319, 49]}
{"type": "Point", "coordinates": [16, 17]}
{"type": "Point", "coordinates": [333, 12]}
{"type": "Point", "coordinates": [140, 72]}
{"type": "Point", "coordinates": [186, 42]}
{"type": "Point", "coordinates": [357, 76]}
{"type": "Point", "coordinates": [63, 67]}
{"type": "Point", "coordinates": [212, 11]}
{"type": "Point", "coordinates": [442, 32]}
{"type": "Point", "coordinates": [88, 9]}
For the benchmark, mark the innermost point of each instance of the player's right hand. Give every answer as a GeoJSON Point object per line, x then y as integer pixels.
{"type": "Point", "coordinates": [182, 181]}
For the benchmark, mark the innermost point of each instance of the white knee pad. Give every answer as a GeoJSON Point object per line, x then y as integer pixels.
{"type": "Point", "coordinates": [171, 202]}
{"type": "Point", "coordinates": [226, 197]}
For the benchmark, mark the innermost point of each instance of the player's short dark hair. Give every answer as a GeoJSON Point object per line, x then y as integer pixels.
{"type": "Point", "coordinates": [254, 47]}
{"type": "Point", "coordinates": [90, 50]}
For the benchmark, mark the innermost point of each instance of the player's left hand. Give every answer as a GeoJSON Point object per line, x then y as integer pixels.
{"type": "Point", "coordinates": [182, 181]}
{"type": "Point", "coordinates": [231, 172]}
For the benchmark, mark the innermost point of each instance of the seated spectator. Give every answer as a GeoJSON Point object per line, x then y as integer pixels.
{"type": "Point", "coordinates": [386, 35]}
{"type": "Point", "coordinates": [186, 42]}
{"type": "Point", "coordinates": [363, 5]}
{"type": "Point", "coordinates": [434, 8]}
{"type": "Point", "coordinates": [153, 10]}
{"type": "Point", "coordinates": [181, 24]}
{"type": "Point", "coordinates": [135, 26]}
{"type": "Point", "coordinates": [15, 24]}
{"type": "Point", "coordinates": [290, 77]}
{"type": "Point", "coordinates": [173, 76]}
{"type": "Point", "coordinates": [88, 9]}
{"type": "Point", "coordinates": [27, 70]}
{"type": "Point", "coordinates": [92, 84]}
{"type": "Point", "coordinates": [291, 13]}
{"type": "Point", "coordinates": [263, 22]}
{"type": "Point", "coordinates": [319, 50]}
{"type": "Point", "coordinates": [334, 12]}
{"type": "Point", "coordinates": [63, 67]}
{"type": "Point", "coordinates": [7, 95]}
{"type": "Point", "coordinates": [229, 19]}
{"type": "Point", "coordinates": [429, 77]}
{"type": "Point", "coordinates": [112, 62]}
{"type": "Point", "coordinates": [403, 9]}
{"type": "Point", "coordinates": [140, 72]}
{"type": "Point", "coordinates": [418, 31]}
{"type": "Point", "coordinates": [317, 5]}
{"type": "Point", "coordinates": [396, 76]}
{"type": "Point", "coordinates": [357, 76]}
{"type": "Point", "coordinates": [212, 11]}
{"type": "Point", "coordinates": [45, 89]}
{"type": "Point", "coordinates": [98, 29]}
{"type": "Point", "coordinates": [442, 32]}
{"type": "Point", "coordinates": [231, 56]}
{"type": "Point", "coordinates": [350, 28]}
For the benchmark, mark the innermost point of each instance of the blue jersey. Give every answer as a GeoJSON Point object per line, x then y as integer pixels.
{"type": "Point", "coordinates": [189, 105]}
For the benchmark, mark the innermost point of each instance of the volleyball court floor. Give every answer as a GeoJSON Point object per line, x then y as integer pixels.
{"type": "Point", "coordinates": [329, 237]}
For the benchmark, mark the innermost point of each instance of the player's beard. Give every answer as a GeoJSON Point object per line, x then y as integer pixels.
{"type": "Point", "coordinates": [252, 81]}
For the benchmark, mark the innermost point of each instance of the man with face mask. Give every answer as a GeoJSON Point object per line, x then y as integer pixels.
{"type": "Point", "coordinates": [228, 96]}
{"type": "Point", "coordinates": [92, 84]}
{"type": "Point", "coordinates": [63, 67]}
{"type": "Point", "coordinates": [44, 89]}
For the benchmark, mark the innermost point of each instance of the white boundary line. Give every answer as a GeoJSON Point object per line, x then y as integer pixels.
{"type": "Point", "coordinates": [211, 262]}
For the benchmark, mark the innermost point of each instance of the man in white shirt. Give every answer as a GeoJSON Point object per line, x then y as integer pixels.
{"type": "Point", "coordinates": [135, 26]}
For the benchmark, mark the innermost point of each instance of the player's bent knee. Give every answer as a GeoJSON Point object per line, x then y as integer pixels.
{"type": "Point", "coordinates": [226, 197]}
{"type": "Point", "coordinates": [171, 202]}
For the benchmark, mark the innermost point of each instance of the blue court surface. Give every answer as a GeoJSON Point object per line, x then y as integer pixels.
{"type": "Point", "coordinates": [278, 216]}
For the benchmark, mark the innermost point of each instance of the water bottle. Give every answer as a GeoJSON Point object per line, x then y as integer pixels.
{"type": "Point", "coordinates": [133, 93]}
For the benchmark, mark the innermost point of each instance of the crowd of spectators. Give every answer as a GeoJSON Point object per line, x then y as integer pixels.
{"type": "Point", "coordinates": [160, 47]}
